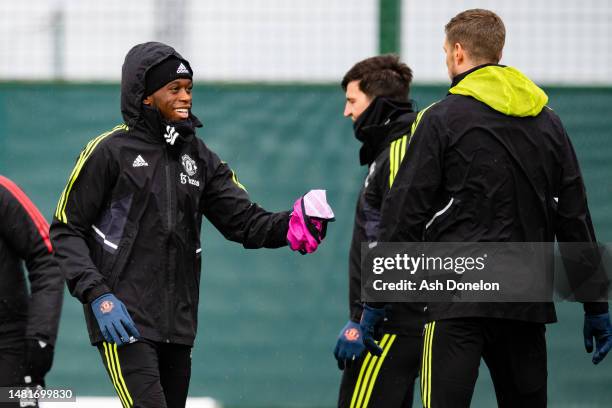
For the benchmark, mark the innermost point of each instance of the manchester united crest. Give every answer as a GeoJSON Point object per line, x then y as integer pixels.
{"type": "Point", "coordinates": [106, 306]}
{"type": "Point", "coordinates": [351, 334]}
{"type": "Point", "coordinates": [189, 165]}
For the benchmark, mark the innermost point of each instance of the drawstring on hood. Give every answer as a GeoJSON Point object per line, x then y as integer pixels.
{"type": "Point", "coordinates": [505, 89]}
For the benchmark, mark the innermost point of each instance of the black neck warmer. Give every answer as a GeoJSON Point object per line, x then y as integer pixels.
{"type": "Point", "coordinates": [172, 133]}
{"type": "Point", "coordinates": [374, 127]}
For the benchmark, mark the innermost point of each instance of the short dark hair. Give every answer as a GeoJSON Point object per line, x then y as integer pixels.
{"type": "Point", "coordinates": [481, 32]}
{"type": "Point", "coordinates": [383, 75]}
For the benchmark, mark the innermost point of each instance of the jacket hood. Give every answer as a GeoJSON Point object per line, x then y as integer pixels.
{"type": "Point", "coordinates": [505, 89]}
{"type": "Point", "coordinates": [383, 121]}
{"type": "Point", "coordinates": [137, 62]}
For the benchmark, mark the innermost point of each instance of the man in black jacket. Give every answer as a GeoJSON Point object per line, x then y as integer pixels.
{"type": "Point", "coordinates": [28, 321]}
{"type": "Point", "coordinates": [490, 163]}
{"type": "Point", "coordinates": [377, 91]}
{"type": "Point", "coordinates": [127, 229]}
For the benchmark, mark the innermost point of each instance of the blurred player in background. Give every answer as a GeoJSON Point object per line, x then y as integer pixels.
{"type": "Point", "coordinates": [127, 229]}
{"type": "Point", "coordinates": [377, 100]}
{"type": "Point", "coordinates": [28, 321]}
{"type": "Point", "coordinates": [490, 163]}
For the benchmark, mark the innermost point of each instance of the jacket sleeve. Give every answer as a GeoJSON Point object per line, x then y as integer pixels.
{"type": "Point", "coordinates": [573, 225]}
{"type": "Point", "coordinates": [573, 221]}
{"type": "Point", "coordinates": [376, 188]}
{"type": "Point", "coordinates": [354, 275]}
{"type": "Point", "coordinates": [416, 184]}
{"type": "Point", "coordinates": [225, 202]}
{"type": "Point", "coordinates": [27, 232]}
{"type": "Point", "coordinates": [79, 205]}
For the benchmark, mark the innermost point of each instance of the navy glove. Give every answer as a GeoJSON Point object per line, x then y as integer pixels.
{"type": "Point", "coordinates": [371, 321]}
{"type": "Point", "coordinates": [114, 320]}
{"type": "Point", "coordinates": [598, 326]}
{"type": "Point", "coordinates": [349, 345]}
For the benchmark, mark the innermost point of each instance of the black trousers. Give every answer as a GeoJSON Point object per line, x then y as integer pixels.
{"type": "Point", "coordinates": [514, 351]}
{"type": "Point", "coordinates": [386, 381]}
{"type": "Point", "coordinates": [11, 369]}
{"type": "Point", "coordinates": [146, 374]}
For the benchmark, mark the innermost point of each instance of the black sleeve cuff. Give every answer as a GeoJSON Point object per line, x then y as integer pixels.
{"type": "Point", "coordinates": [595, 308]}
{"type": "Point", "coordinates": [282, 229]}
{"type": "Point", "coordinates": [356, 315]}
{"type": "Point", "coordinates": [95, 292]}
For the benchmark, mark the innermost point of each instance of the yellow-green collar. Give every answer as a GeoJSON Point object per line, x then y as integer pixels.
{"type": "Point", "coordinates": [505, 89]}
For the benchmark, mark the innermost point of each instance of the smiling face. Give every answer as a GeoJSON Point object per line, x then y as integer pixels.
{"type": "Point", "coordinates": [173, 100]}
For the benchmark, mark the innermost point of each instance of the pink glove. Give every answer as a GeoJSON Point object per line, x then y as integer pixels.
{"type": "Point", "coordinates": [308, 222]}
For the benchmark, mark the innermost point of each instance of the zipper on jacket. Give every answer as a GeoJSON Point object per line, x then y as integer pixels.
{"type": "Point", "coordinates": [169, 258]}
{"type": "Point", "coordinates": [170, 264]}
{"type": "Point", "coordinates": [169, 207]}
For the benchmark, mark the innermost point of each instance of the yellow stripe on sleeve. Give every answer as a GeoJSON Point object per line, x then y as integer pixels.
{"type": "Point", "coordinates": [403, 149]}
{"type": "Point", "coordinates": [60, 212]}
{"type": "Point", "coordinates": [415, 124]}
{"type": "Point", "coordinates": [84, 153]}
{"type": "Point", "coordinates": [396, 156]}
{"type": "Point", "coordinates": [235, 180]}
{"type": "Point", "coordinates": [392, 162]}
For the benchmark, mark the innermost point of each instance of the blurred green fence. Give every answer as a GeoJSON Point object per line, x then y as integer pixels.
{"type": "Point", "coordinates": [269, 318]}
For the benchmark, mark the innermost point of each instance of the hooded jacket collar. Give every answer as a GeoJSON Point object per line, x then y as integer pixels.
{"type": "Point", "coordinates": [504, 89]}
{"type": "Point", "coordinates": [383, 121]}
{"type": "Point", "coordinates": [137, 115]}
{"type": "Point", "coordinates": [162, 131]}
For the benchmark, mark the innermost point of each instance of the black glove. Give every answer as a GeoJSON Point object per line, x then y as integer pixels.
{"type": "Point", "coordinates": [598, 327]}
{"type": "Point", "coordinates": [38, 361]}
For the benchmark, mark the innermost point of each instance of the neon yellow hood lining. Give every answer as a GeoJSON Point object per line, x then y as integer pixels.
{"type": "Point", "coordinates": [505, 89]}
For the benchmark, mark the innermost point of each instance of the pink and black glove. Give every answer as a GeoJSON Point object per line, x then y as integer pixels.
{"type": "Point", "coordinates": [308, 222]}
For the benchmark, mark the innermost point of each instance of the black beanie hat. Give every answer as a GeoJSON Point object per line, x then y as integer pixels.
{"type": "Point", "coordinates": [166, 71]}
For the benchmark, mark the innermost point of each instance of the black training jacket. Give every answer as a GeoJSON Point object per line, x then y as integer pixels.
{"type": "Point", "coordinates": [24, 238]}
{"type": "Point", "coordinates": [489, 163]}
{"type": "Point", "coordinates": [383, 128]}
{"type": "Point", "coordinates": [129, 219]}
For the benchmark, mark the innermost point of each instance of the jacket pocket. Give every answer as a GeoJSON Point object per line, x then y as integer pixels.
{"type": "Point", "coordinates": [115, 235]}
{"type": "Point", "coordinates": [195, 275]}
{"type": "Point", "coordinates": [122, 255]}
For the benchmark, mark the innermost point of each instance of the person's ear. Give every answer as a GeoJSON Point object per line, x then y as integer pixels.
{"type": "Point", "coordinates": [148, 100]}
{"type": "Point", "coordinates": [458, 54]}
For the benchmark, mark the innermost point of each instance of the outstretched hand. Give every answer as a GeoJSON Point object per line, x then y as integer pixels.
{"type": "Point", "coordinates": [308, 222]}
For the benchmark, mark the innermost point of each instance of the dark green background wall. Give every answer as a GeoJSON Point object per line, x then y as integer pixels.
{"type": "Point", "coordinates": [269, 318]}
